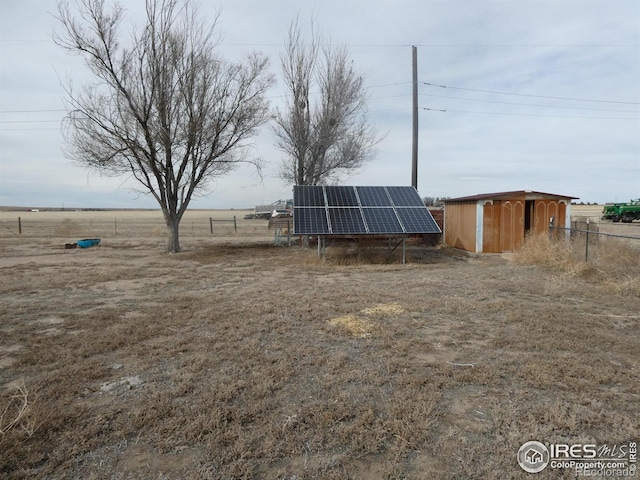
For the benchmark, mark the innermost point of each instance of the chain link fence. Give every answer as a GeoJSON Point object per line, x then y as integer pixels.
{"type": "Point", "coordinates": [590, 243]}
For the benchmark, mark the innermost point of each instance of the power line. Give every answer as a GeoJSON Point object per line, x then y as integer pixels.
{"type": "Point", "coordinates": [29, 121]}
{"type": "Point", "coordinates": [529, 104]}
{"type": "Point", "coordinates": [388, 84]}
{"type": "Point", "coordinates": [388, 109]}
{"type": "Point", "coordinates": [530, 114]}
{"type": "Point", "coordinates": [32, 111]}
{"type": "Point", "coordinates": [26, 129]}
{"type": "Point", "coordinates": [529, 95]}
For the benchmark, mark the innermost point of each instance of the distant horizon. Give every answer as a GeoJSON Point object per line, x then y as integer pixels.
{"type": "Point", "coordinates": [32, 209]}
{"type": "Point", "coordinates": [35, 209]}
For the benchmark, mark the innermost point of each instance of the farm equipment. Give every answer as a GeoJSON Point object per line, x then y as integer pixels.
{"type": "Point", "coordinates": [622, 212]}
{"type": "Point", "coordinates": [264, 211]}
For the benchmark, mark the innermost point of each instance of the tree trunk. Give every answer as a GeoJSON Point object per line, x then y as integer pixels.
{"type": "Point", "coordinates": [173, 224]}
{"type": "Point", "coordinates": [300, 171]}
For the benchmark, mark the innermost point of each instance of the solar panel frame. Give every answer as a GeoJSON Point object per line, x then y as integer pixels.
{"type": "Point", "coordinates": [341, 196]}
{"type": "Point", "coordinates": [405, 197]}
{"type": "Point", "coordinates": [308, 196]}
{"type": "Point", "coordinates": [417, 220]}
{"type": "Point", "coordinates": [346, 221]}
{"type": "Point", "coordinates": [360, 210]}
{"type": "Point", "coordinates": [374, 197]}
{"type": "Point", "coordinates": [382, 220]}
{"type": "Point", "coordinates": [310, 221]}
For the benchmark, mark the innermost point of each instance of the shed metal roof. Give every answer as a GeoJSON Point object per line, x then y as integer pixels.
{"type": "Point", "coordinates": [528, 194]}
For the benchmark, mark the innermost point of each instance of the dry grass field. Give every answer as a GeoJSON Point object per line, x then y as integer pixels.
{"type": "Point", "coordinates": [238, 359]}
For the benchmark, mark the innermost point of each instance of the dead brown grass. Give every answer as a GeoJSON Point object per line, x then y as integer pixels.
{"type": "Point", "coordinates": [362, 253]}
{"type": "Point", "coordinates": [557, 254]}
{"type": "Point", "coordinates": [223, 363]}
{"type": "Point", "coordinates": [619, 259]}
{"type": "Point", "coordinates": [613, 263]}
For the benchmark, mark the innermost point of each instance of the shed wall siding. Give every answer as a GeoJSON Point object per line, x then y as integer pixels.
{"type": "Point", "coordinates": [460, 226]}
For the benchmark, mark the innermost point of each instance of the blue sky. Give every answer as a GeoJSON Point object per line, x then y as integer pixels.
{"type": "Point", "coordinates": [541, 95]}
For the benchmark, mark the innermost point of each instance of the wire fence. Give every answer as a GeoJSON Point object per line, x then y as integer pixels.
{"type": "Point", "coordinates": [589, 242]}
{"type": "Point", "coordinates": [122, 226]}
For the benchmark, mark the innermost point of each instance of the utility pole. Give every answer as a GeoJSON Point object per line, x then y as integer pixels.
{"type": "Point", "coordinates": [414, 153]}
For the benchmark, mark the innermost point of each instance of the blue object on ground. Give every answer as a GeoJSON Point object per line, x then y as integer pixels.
{"type": "Point", "coordinates": [88, 242]}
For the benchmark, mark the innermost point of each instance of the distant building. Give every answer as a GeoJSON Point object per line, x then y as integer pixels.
{"type": "Point", "coordinates": [498, 222]}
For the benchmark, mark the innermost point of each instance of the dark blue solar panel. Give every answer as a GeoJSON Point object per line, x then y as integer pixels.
{"type": "Point", "coordinates": [346, 221]}
{"type": "Point", "coordinates": [417, 220]}
{"type": "Point", "coordinates": [382, 220]}
{"type": "Point", "coordinates": [360, 210]}
{"type": "Point", "coordinates": [310, 221]}
{"type": "Point", "coordinates": [308, 196]}
{"type": "Point", "coordinates": [373, 197]}
{"type": "Point", "coordinates": [405, 197]}
{"type": "Point", "coordinates": [341, 197]}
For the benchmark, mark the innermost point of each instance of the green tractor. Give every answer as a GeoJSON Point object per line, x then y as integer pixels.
{"type": "Point", "coordinates": [622, 212]}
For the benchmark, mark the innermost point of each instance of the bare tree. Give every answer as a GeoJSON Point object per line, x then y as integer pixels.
{"type": "Point", "coordinates": [164, 107]}
{"type": "Point", "coordinates": [435, 201]}
{"type": "Point", "coordinates": [327, 138]}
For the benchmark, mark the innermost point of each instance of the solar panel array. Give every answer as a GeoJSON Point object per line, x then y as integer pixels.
{"type": "Point", "coordinates": [347, 210]}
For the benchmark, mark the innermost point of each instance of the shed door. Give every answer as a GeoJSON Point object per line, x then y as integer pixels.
{"type": "Point", "coordinates": [545, 209]}
{"type": "Point", "coordinates": [511, 225]}
{"type": "Point", "coordinates": [491, 227]}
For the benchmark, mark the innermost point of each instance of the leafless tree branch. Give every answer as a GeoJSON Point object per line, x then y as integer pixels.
{"type": "Point", "coordinates": [164, 106]}
{"type": "Point", "coordinates": [331, 136]}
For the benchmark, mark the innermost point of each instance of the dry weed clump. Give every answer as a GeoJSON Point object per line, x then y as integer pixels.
{"type": "Point", "coordinates": [16, 417]}
{"type": "Point", "coordinates": [618, 262]}
{"type": "Point", "coordinates": [360, 255]}
{"type": "Point", "coordinates": [555, 254]}
{"type": "Point", "coordinates": [613, 263]}
{"type": "Point", "coordinates": [384, 309]}
{"type": "Point", "coordinates": [365, 326]}
{"type": "Point", "coordinates": [541, 250]}
{"type": "Point", "coordinates": [356, 326]}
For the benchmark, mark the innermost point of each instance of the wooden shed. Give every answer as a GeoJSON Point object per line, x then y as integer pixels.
{"type": "Point", "coordinates": [498, 222]}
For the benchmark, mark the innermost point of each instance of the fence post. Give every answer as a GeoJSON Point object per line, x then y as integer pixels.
{"type": "Point", "coordinates": [211, 224]}
{"type": "Point", "coordinates": [19, 225]}
{"type": "Point", "coordinates": [586, 250]}
{"type": "Point", "coordinates": [235, 226]}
